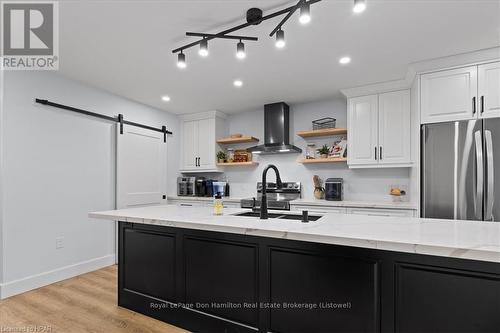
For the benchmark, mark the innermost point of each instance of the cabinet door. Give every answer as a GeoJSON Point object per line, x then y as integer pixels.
{"type": "Point", "coordinates": [489, 90]}
{"type": "Point", "coordinates": [320, 209]}
{"type": "Point", "coordinates": [206, 143]}
{"type": "Point", "coordinates": [149, 262]}
{"type": "Point", "coordinates": [190, 144]}
{"type": "Point", "coordinates": [362, 130]}
{"type": "Point", "coordinates": [380, 212]}
{"type": "Point", "coordinates": [433, 299]}
{"type": "Point", "coordinates": [394, 127]}
{"type": "Point", "coordinates": [449, 95]}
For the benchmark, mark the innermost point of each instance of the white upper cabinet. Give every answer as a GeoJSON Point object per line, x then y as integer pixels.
{"type": "Point", "coordinates": [206, 141]}
{"type": "Point", "coordinates": [489, 90]}
{"type": "Point", "coordinates": [394, 123]}
{"type": "Point", "coordinates": [378, 130]}
{"type": "Point", "coordinates": [449, 95]}
{"type": "Point", "coordinates": [199, 147]}
{"type": "Point", "coordinates": [190, 144]}
{"type": "Point", "coordinates": [362, 131]}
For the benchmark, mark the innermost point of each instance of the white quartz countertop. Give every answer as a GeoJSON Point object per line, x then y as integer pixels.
{"type": "Point", "coordinates": [448, 238]}
{"type": "Point", "coordinates": [319, 203]}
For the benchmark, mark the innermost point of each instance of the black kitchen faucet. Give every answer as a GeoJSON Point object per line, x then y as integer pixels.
{"type": "Point", "coordinates": [279, 184]}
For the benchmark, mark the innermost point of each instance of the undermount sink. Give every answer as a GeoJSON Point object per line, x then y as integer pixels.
{"type": "Point", "coordinates": [295, 217]}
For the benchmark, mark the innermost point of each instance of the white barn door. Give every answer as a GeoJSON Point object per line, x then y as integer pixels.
{"type": "Point", "coordinates": [141, 169]}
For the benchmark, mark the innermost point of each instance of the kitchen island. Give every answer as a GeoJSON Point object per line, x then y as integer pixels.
{"type": "Point", "coordinates": [341, 273]}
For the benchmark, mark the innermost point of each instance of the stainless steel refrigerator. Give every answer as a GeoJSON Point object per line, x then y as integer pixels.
{"type": "Point", "coordinates": [461, 170]}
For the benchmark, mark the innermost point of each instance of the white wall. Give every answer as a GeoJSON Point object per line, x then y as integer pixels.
{"type": "Point", "coordinates": [58, 166]}
{"type": "Point", "coordinates": [360, 184]}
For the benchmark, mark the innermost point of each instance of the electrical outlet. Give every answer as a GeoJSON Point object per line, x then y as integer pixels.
{"type": "Point", "coordinates": [59, 242]}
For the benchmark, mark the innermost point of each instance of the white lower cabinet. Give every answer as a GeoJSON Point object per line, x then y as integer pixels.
{"type": "Point", "coordinates": [381, 212]}
{"type": "Point", "coordinates": [201, 203]}
{"type": "Point", "coordinates": [187, 203]}
{"type": "Point", "coordinates": [312, 209]}
{"type": "Point", "coordinates": [319, 210]}
{"type": "Point", "coordinates": [231, 204]}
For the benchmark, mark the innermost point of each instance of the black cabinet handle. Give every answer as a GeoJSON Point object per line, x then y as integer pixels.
{"type": "Point", "coordinates": [474, 105]}
{"type": "Point", "coordinates": [381, 153]}
{"type": "Point", "coordinates": [376, 153]}
{"type": "Point", "coordinates": [482, 104]}
{"type": "Point", "coordinates": [199, 163]}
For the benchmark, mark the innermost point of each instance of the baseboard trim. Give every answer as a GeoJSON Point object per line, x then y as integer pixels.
{"type": "Point", "coordinates": [20, 286]}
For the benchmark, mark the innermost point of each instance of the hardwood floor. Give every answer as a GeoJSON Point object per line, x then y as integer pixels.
{"type": "Point", "coordinates": [86, 303]}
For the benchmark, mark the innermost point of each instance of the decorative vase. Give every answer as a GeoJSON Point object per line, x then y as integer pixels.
{"type": "Point", "coordinates": [221, 160]}
{"type": "Point", "coordinates": [319, 193]}
{"type": "Point", "coordinates": [324, 155]}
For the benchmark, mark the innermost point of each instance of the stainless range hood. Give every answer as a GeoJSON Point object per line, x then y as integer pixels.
{"type": "Point", "coordinates": [276, 131]}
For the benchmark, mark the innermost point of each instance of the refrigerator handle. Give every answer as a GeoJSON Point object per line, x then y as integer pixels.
{"type": "Point", "coordinates": [423, 135]}
{"type": "Point", "coordinates": [490, 177]}
{"type": "Point", "coordinates": [479, 176]}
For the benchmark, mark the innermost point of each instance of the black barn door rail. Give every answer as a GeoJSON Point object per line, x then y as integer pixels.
{"type": "Point", "coordinates": [118, 119]}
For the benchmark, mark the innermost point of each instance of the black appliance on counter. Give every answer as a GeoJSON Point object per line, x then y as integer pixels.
{"type": "Point", "coordinates": [186, 186]}
{"type": "Point", "coordinates": [334, 189]}
{"type": "Point", "coordinates": [201, 187]}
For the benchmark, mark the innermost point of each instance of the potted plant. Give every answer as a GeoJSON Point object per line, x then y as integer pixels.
{"type": "Point", "coordinates": [221, 156]}
{"type": "Point", "coordinates": [324, 151]}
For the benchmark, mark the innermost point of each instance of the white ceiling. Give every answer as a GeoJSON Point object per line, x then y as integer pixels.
{"type": "Point", "coordinates": [125, 47]}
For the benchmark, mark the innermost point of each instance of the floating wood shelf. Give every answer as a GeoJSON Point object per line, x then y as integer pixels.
{"type": "Point", "coordinates": [322, 132]}
{"type": "Point", "coordinates": [238, 164]}
{"type": "Point", "coordinates": [243, 139]}
{"type": "Point", "coordinates": [323, 160]}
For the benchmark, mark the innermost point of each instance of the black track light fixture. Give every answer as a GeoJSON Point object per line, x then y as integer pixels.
{"type": "Point", "coordinates": [305, 13]}
{"type": "Point", "coordinates": [359, 6]}
{"type": "Point", "coordinates": [254, 17]}
{"type": "Point", "coordinates": [280, 39]}
{"type": "Point", "coordinates": [181, 60]}
{"type": "Point", "coordinates": [240, 50]}
{"type": "Point", "coordinates": [203, 48]}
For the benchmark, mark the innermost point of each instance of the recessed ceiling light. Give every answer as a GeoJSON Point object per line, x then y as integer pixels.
{"type": "Point", "coordinates": [359, 6]}
{"type": "Point", "coordinates": [345, 60]}
{"type": "Point", "coordinates": [165, 98]}
{"type": "Point", "coordinates": [238, 83]}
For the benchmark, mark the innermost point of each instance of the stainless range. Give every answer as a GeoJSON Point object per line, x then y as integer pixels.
{"type": "Point", "coordinates": [277, 198]}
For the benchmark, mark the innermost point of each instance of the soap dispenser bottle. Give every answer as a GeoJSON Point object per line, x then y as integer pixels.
{"type": "Point", "coordinates": [218, 204]}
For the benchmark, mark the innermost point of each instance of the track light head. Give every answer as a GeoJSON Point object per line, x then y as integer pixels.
{"type": "Point", "coordinates": [181, 60]}
{"type": "Point", "coordinates": [280, 39]}
{"type": "Point", "coordinates": [240, 50]}
{"type": "Point", "coordinates": [359, 6]}
{"type": "Point", "coordinates": [305, 13]}
{"type": "Point", "coordinates": [203, 48]}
